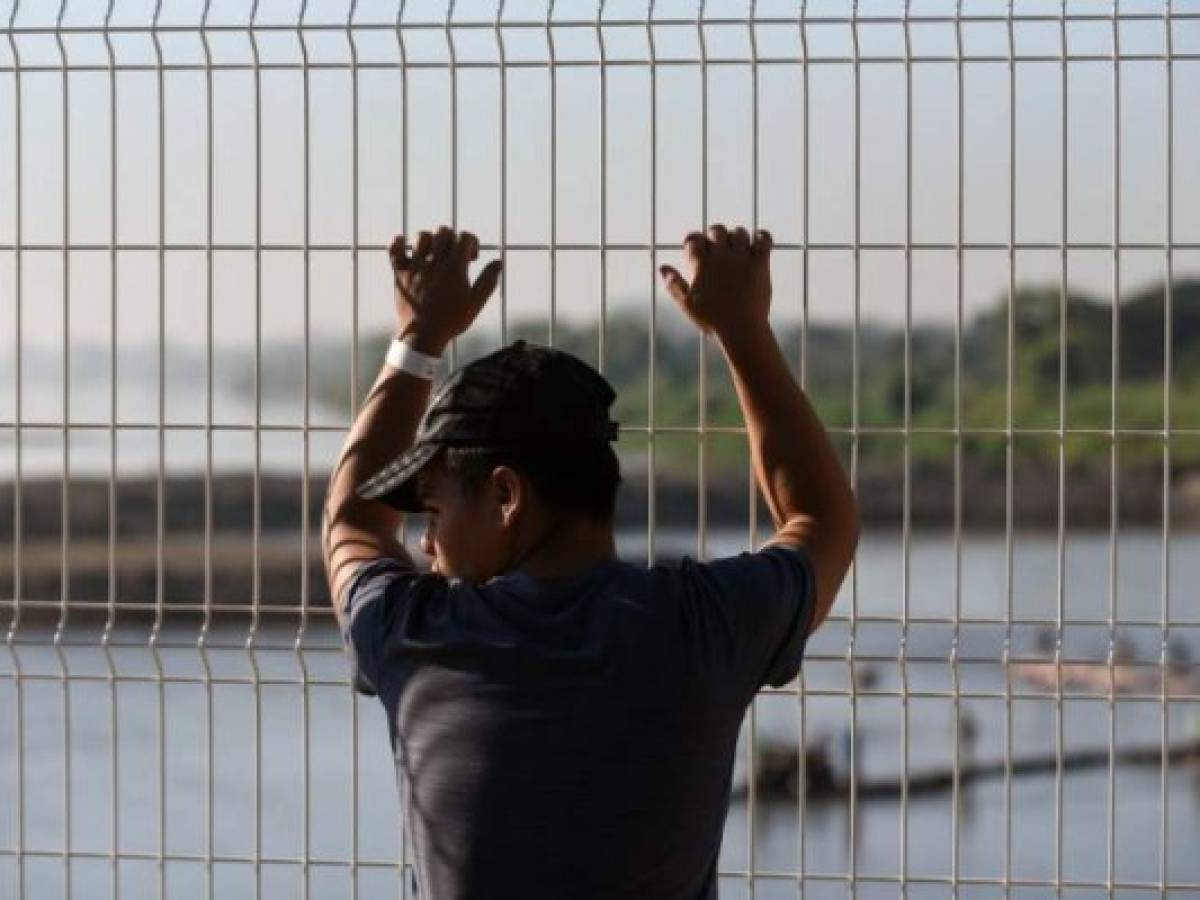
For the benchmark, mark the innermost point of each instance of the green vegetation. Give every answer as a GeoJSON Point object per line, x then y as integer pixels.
{"type": "Point", "coordinates": [1040, 373]}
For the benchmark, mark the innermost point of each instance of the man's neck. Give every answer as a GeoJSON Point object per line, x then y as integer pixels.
{"type": "Point", "coordinates": [567, 548]}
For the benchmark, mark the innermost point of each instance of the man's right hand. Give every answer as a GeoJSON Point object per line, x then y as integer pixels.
{"type": "Point", "coordinates": [729, 288]}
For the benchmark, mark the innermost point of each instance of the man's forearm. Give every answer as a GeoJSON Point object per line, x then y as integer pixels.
{"type": "Point", "coordinates": [384, 428]}
{"type": "Point", "coordinates": [797, 467]}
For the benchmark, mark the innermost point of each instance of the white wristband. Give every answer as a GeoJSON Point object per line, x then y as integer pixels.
{"type": "Point", "coordinates": [413, 362]}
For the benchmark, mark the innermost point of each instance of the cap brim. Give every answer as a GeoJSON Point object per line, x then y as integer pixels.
{"type": "Point", "coordinates": [396, 483]}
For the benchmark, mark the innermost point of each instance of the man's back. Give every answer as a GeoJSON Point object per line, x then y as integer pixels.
{"type": "Point", "coordinates": [565, 724]}
{"type": "Point", "coordinates": [575, 737]}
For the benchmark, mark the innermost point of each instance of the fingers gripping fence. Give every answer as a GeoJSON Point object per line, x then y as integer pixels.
{"type": "Point", "coordinates": [987, 246]}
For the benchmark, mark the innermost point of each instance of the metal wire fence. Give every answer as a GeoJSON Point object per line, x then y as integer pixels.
{"type": "Point", "coordinates": [987, 222]}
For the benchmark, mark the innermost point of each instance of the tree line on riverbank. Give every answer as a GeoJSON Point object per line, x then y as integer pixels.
{"type": "Point", "coordinates": [1036, 363]}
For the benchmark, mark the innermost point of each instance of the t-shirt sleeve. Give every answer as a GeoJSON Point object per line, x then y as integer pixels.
{"type": "Point", "coordinates": [766, 600]}
{"type": "Point", "coordinates": [373, 600]}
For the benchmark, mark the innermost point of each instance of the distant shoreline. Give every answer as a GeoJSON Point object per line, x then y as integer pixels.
{"type": "Point", "coordinates": [277, 567]}
{"type": "Point", "coordinates": [982, 500]}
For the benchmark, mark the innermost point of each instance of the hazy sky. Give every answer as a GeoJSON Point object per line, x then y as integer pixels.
{"type": "Point", "coordinates": [573, 175]}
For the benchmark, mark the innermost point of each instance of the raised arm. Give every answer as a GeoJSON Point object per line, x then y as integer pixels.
{"type": "Point", "coordinates": [729, 296]}
{"type": "Point", "coordinates": [435, 302]}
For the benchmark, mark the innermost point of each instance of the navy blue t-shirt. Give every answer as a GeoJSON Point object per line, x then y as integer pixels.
{"type": "Point", "coordinates": [574, 737]}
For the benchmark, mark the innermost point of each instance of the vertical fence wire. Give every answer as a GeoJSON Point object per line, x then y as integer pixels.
{"type": "Point", "coordinates": [110, 620]}
{"type": "Point", "coordinates": [953, 661]}
{"type": "Point", "coordinates": [801, 708]}
{"type": "Point", "coordinates": [702, 355]}
{"type": "Point", "coordinates": [404, 871]}
{"type": "Point", "coordinates": [160, 472]}
{"type": "Point", "coordinates": [452, 71]}
{"type": "Point", "coordinates": [1168, 363]}
{"type": "Point", "coordinates": [906, 485]}
{"type": "Point", "coordinates": [351, 699]}
{"type": "Point", "coordinates": [752, 492]}
{"type": "Point", "coordinates": [652, 341]}
{"type": "Point", "coordinates": [306, 425]}
{"type": "Point", "coordinates": [1009, 450]}
{"type": "Point", "coordinates": [1061, 557]}
{"type": "Point", "coordinates": [852, 753]}
{"type": "Point", "coordinates": [602, 182]}
{"type": "Point", "coordinates": [1114, 460]}
{"type": "Point", "coordinates": [553, 71]}
{"type": "Point", "coordinates": [14, 624]}
{"type": "Point", "coordinates": [502, 53]}
{"type": "Point", "coordinates": [206, 623]}
{"type": "Point", "coordinates": [65, 486]}
{"type": "Point", "coordinates": [256, 501]}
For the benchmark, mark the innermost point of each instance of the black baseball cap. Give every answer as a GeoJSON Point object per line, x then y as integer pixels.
{"type": "Point", "coordinates": [532, 401]}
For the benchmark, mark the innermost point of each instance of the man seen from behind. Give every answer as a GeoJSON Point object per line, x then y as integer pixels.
{"type": "Point", "coordinates": [564, 723]}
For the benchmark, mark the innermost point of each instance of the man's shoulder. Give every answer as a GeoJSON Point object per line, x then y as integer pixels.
{"type": "Point", "coordinates": [768, 558]}
{"type": "Point", "coordinates": [388, 578]}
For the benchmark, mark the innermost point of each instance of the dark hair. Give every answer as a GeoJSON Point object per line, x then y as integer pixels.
{"type": "Point", "coordinates": [582, 483]}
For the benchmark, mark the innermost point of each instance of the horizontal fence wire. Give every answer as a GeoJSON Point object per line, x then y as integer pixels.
{"type": "Point", "coordinates": [986, 259]}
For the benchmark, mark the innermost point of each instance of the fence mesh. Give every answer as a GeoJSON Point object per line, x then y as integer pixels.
{"type": "Point", "coordinates": [987, 227]}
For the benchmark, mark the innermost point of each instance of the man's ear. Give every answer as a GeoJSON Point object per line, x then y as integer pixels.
{"type": "Point", "coordinates": [510, 493]}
